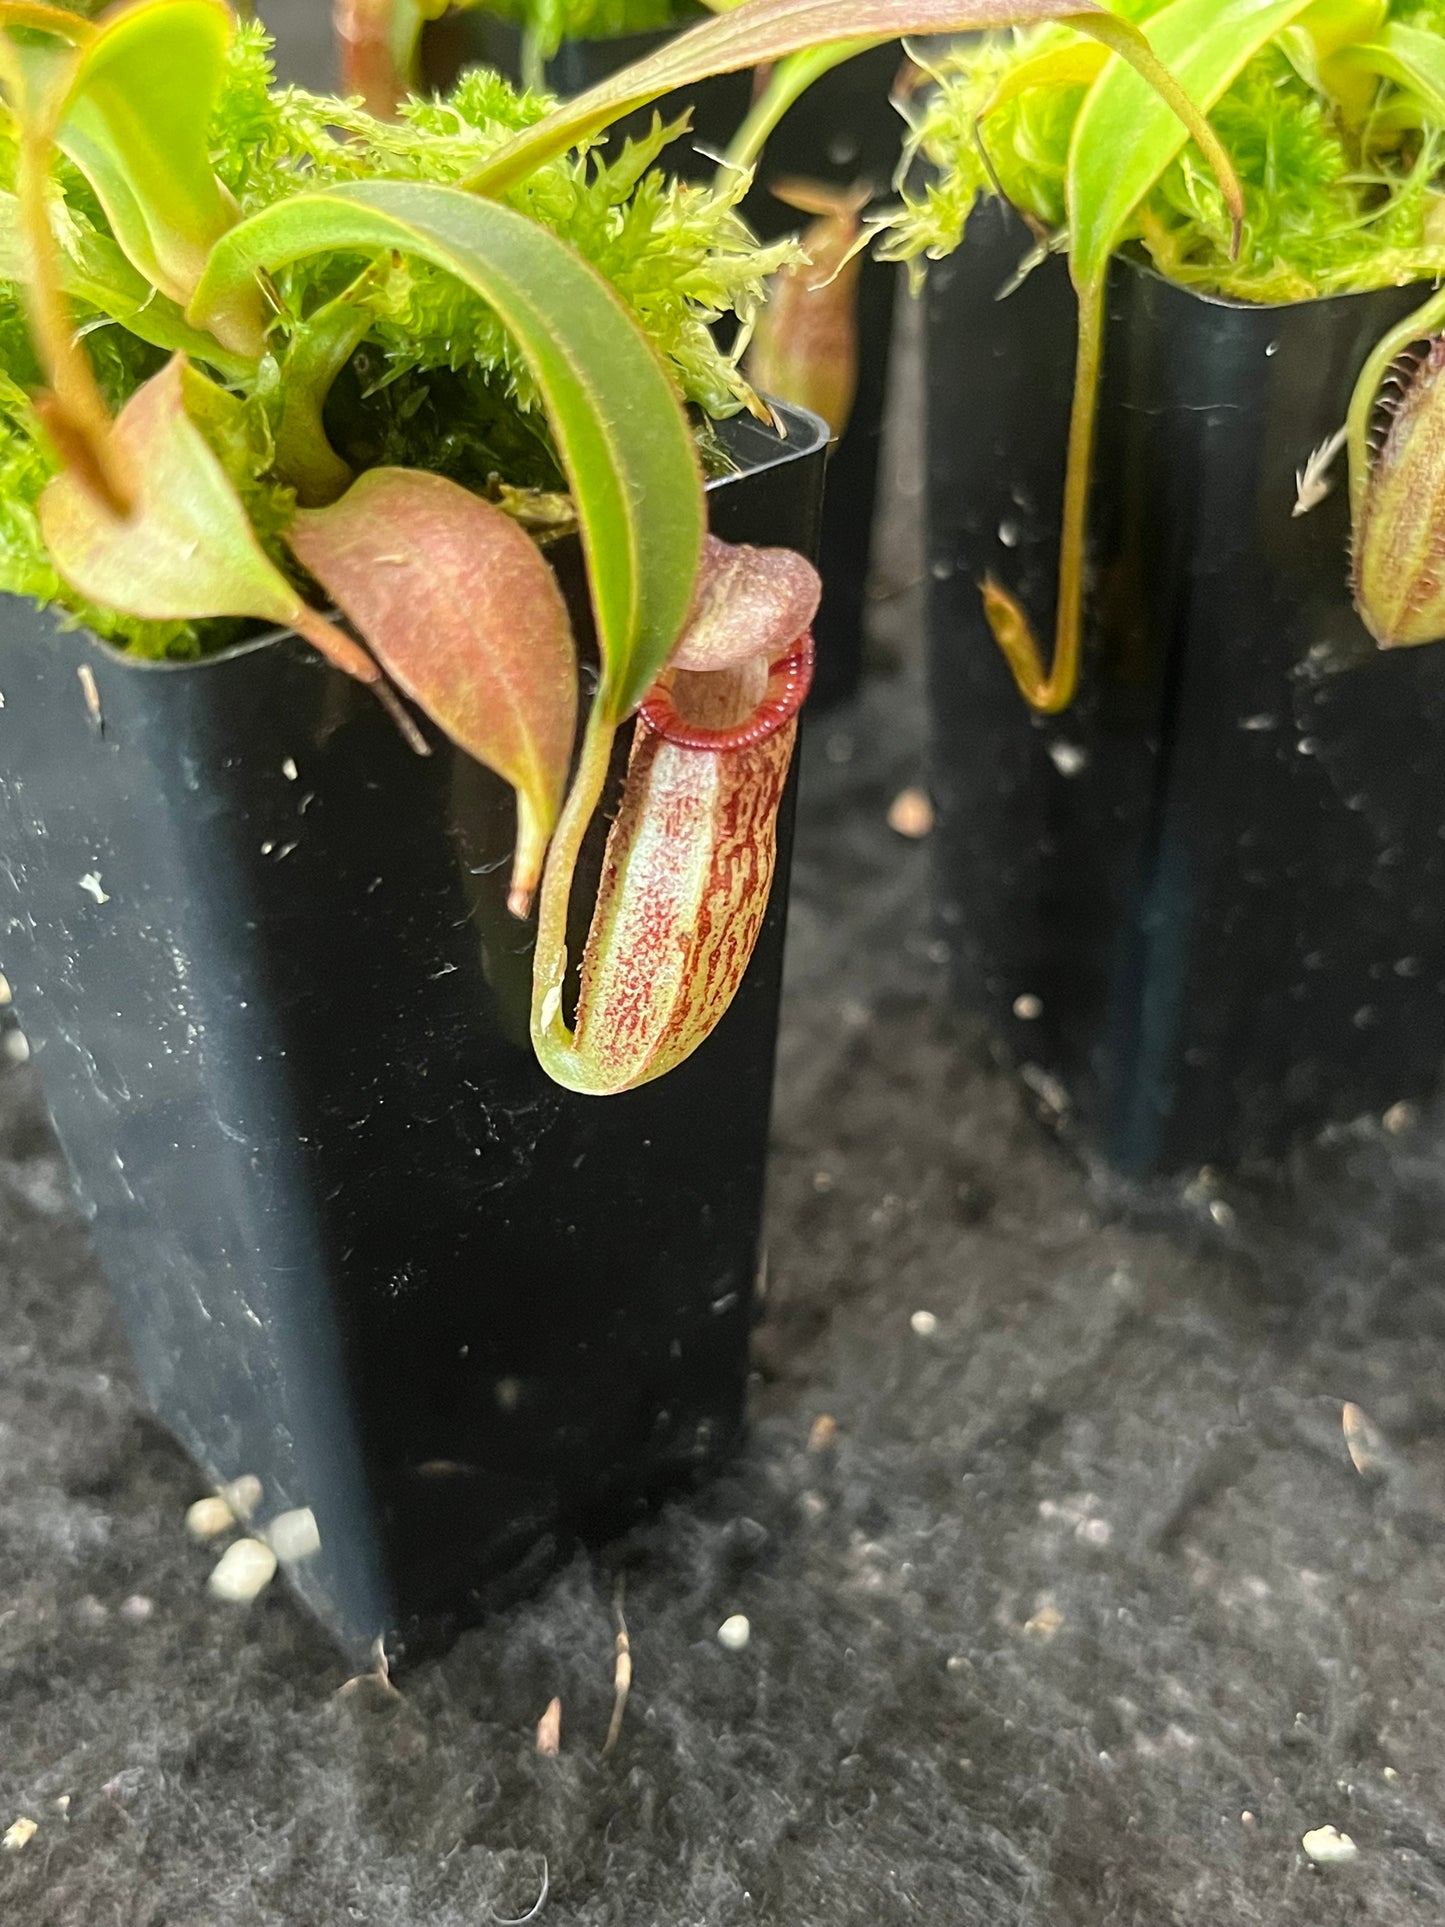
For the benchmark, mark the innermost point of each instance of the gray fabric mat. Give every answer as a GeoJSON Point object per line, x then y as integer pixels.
{"type": "Point", "coordinates": [1086, 1576]}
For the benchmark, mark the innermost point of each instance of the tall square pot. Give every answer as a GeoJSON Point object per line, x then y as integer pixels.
{"type": "Point", "coordinates": [364, 1250]}
{"type": "Point", "coordinates": [1204, 909]}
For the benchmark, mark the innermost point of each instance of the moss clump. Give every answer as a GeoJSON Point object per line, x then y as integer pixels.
{"type": "Point", "coordinates": [1342, 166]}
{"type": "Point", "coordinates": [437, 383]}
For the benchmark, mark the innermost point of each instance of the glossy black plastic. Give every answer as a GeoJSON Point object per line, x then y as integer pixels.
{"type": "Point", "coordinates": [1206, 906]}
{"type": "Point", "coordinates": [364, 1250]}
{"type": "Point", "coordinates": [843, 131]}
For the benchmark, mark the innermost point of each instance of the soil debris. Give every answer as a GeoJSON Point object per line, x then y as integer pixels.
{"type": "Point", "coordinates": [242, 1571]}
{"type": "Point", "coordinates": [735, 1632]}
{"type": "Point", "coordinates": [1328, 1847]}
{"type": "Point", "coordinates": [911, 813]}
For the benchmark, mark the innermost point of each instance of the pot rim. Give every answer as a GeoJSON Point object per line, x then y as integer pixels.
{"type": "Point", "coordinates": [808, 432]}
{"type": "Point", "coordinates": [1139, 263]}
{"type": "Point", "coordinates": [1132, 257]}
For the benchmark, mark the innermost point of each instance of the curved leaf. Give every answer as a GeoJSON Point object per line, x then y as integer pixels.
{"type": "Point", "coordinates": [188, 549]}
{"type": "Point", "coordinates": [93, 269]}
{"type": "Point", "coordinates": [72, 409]}
{"type": "Point", "coordinates": [619, 427]}
{"type": "Point", "coordinates": [137, 124]}
{"type": "Point", "coordinates": [1074, 63]}
{"type": "Point", "coordinates": [1411, 57]}
{"type": "Point", "coordinates": [765, 30]}
{"type": "Point", "coordinates": [1125, 136]}
{"type": "Point", "coordinates": [465, 616]}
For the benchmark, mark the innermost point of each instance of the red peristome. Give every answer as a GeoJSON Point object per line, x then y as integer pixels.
{"type": "Point", "coordinates": [789, 680]}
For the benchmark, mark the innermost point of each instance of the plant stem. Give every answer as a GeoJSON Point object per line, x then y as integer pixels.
{"type": "Point", "coordinates": [1417, 326]}
{"type": "Point", "coordinates": [74, 414]}
{"type": "Point", "coordinates": [1051, 692]}
{"type": "Point", "coordinates": [366, 52]}
{"type": "Point", "coordinates": [549, 960]}
{"type": "Point", "coordinates": [532, 66]}
{"type": "Point", "coordinates": [320, 349]}
{"type": "Point", "coordinates": [791, 78]}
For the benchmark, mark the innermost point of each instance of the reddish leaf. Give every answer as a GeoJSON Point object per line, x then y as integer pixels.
{"type": "Point", "coordinates": [186, 549]}
{"type": "Point", "coordinates": [459, 607]}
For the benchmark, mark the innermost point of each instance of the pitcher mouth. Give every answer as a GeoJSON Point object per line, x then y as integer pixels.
{"type": "Point", "coordinates": [789, 679]}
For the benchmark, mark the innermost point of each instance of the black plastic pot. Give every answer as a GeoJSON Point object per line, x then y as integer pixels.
{"type": "Point", "coordinates": [1205, 908]}
{"type": "Point", "coordinates": [364, 1250]}
{"type": "Point", "coordinates": [842, 131]}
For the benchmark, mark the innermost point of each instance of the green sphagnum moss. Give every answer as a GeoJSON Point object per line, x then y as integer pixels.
{"type": "Point", "coordinates": [437, 383]}
{"type": "Point", "coordinates": [1338, 197]}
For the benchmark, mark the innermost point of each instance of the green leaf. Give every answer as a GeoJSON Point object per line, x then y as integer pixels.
{"type": "Point", "coordinates": [466, 617]}
{"type": "Point", "coordinates": [1412, 58]}
{"type": "Point", "coordinates": [619, 428]}
{"type": "Point", "coordinates": [93, 269]}
{"type": "Point", "coordinates": [136, 122]}
{"type": "Point", "coordinates": [1125, 136]}
{"type": "Point", "coordinates": [1328, 27]}
{"type": "Point", "coordinates": [767, 30]}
